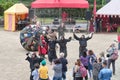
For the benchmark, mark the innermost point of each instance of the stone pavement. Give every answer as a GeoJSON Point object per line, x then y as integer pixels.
{"type": "Point", "coordinates": [12, 55]}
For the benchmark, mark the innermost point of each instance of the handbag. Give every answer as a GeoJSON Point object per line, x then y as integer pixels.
{"type": "Point", "coordinates": [114, 56]}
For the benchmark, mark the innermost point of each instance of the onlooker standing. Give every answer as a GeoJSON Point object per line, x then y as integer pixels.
{"type": "Point", "coordinates": [64, 65]}
{"type": "Point", "coordinates": [64, 16]}
{"type": "Point", "coordinates": [57, 67]}
{"type": "Point", "coordinates": [111, 51]}
{"type": "Point", "coordinates": [74, 70]}
{"type": "Point", "coordinates": [43, 71]}
{"type": "Point", "coordinates": [33, 60]}
{"type": "Point", "coordinates": [62, 43]}
{"type": "Point", "coordinates": [35, 73]}
{"type": "Point", "coordinates": [84, 60]}
{"type": "Point", "coordinates": [105, 73]}
{"type": "Point", "coordinates": [97, 66]}
{"type": "Point", "coordinates": [61, 30]}
{"type": "Point", "coordinates": [102, 56]}
{"type": "Point", "coordinates": [78, 75]}
{"type": "Point", "coordinates": [91, 59]}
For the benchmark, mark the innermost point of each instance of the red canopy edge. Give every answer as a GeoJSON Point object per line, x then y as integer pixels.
{"type": "Point", "coordinates": [60, 4]}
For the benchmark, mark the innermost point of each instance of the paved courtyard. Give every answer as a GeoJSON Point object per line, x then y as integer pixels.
{"type": "Point", "coordinates": [12, 55]}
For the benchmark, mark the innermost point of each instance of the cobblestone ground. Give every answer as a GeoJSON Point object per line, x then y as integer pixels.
{"type": "Point", "coordinates": [12, 56]}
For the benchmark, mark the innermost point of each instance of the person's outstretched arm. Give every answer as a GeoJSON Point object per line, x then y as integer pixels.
{"type": "Point", "coordinates": [69, 39]}
{"type": "Point", "coordinates": [91, 35]}
{"type": "Point", "coordinates": [77, 38]}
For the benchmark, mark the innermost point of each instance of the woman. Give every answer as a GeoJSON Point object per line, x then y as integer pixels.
{"type": "Point", "coordinates": [111, 51]}
{"type": "Point", "coordinates": [78, 75]}
{"type": "Point", "coordinates": [43, 47]}
{"type": "Point", "coordinates": [84, 60]}
{"type": "Point", "coordinates": [91, 59]}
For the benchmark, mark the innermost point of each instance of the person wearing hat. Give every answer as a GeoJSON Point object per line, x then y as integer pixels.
{"type": "Point", "coordinates": [43, 71]}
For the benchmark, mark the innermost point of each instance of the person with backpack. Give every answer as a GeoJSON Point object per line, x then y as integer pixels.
{"type": "Point", "coordinates": [112, 50]}
{"type": "Point", "coordinates": [80, 71]}
{"type": "Point", "coordinates": [74, 70]}
{"type": "Point", "coordinates": [84, 60]}
{"type": "Point", "coordinates": [83, 43]}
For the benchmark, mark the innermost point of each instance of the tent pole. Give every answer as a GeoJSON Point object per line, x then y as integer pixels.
{"type": "Point", "coordinates": [60, 12]}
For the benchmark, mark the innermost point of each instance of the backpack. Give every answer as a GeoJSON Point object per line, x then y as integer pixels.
{"type": "Point", "coordinates": [83, 71]}
{"type": "Point", "coordinates": [114, 56]}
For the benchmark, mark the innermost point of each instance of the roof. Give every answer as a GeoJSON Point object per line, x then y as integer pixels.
{"type": "Point", "coordinates": [111, 8]}
{"type": "Point", "coordinates": [60, 4]}
{"type": "Point", "coordinates": [18, 8]}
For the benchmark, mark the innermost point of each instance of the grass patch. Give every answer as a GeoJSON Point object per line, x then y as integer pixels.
{"type": "Point", "coordinates": [50, 20]}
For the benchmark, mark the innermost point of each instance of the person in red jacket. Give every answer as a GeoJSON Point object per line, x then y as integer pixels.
{"type": "Point", "coordinates": [43, 47]}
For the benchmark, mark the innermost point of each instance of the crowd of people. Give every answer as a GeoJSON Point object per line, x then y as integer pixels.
{"type": "Point", "coordinates": [88, 65]}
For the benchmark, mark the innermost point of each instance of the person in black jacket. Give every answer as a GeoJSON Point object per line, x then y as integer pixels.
{"type": "Point", "coordinates": [33, 60]}
{"type": "Point", "coordinates": [51, 49]}
{"type": "Point", "coordinates": [62, 43]}
{"type": "Point", "coordinates": [83, 43]}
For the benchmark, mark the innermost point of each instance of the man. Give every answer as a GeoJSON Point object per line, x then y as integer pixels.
{"type": "Point", "coordinates": [61, 30]}
{"type": "Point", "coordinates": [64, 65]}
{"type": "Point", "coordinates": [83, 43]}
{"type": "Point", "coordinates": [105, 73]}
{"type": "Point", "coordinates": [62, 43]}
{"type": "Point", "coordinates": [33, 60]}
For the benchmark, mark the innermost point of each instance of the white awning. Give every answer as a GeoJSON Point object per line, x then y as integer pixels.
{"type": "Point", "coordinates": [111, 8]}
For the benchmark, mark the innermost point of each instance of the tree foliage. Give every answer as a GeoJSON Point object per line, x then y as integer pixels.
{"type": "Point", "coordinates": [5, 4]}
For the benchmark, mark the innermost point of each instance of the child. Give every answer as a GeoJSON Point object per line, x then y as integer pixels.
{"type": "Point", "coordinates": [35, 73]}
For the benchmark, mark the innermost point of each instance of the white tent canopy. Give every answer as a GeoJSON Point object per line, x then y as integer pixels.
{"type": "Point", "coordinates": [111, 8]}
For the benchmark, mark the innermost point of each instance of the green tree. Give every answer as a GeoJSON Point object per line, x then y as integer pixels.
{"type": "Point", "coordinates": [5, 4]}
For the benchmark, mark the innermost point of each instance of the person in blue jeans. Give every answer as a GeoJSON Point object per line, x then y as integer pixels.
{"type": "Point", "coordinates": [57, 67]}
{"type": "Point", "coordinates": [91, 59]}
{"type": "Point", "coordinates": [105, 73]}
{"type": "Point", "coordinates": [64, 65]}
